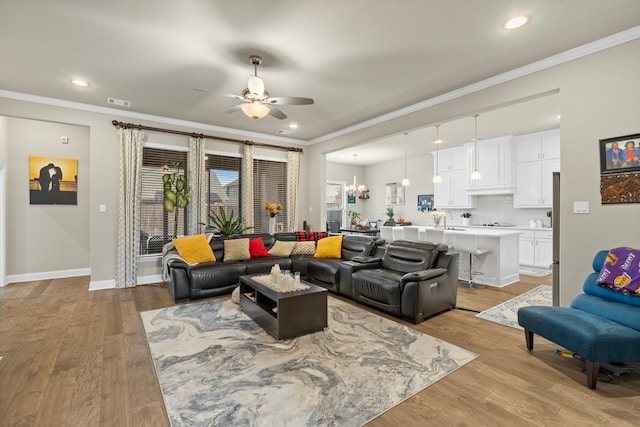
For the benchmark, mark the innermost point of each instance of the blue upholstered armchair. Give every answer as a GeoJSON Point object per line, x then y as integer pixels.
{"type": "Point", "coordinates": [602, 325]}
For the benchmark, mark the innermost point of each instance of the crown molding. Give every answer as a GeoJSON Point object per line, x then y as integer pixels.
{"type": "Point", "coordinates": [18, 96]}
{"type": "Point", "coordinates": [561, 58]}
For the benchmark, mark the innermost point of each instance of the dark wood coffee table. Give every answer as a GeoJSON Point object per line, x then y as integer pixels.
{"type": "Point", "coordinates": [284, 314]}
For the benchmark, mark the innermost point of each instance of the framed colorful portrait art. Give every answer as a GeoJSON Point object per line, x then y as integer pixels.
{"type": "Point", "coordinates": [620, 154]}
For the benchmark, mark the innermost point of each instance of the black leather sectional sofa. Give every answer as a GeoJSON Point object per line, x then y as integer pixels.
{"type": "Point", "coordinates": [412, 280]}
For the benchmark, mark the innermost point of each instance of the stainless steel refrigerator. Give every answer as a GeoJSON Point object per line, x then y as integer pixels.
{"type": "Point", "coordinates": [555, 218]}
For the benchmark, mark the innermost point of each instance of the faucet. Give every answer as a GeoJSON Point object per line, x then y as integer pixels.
{"type": "Point", "coordinates": [445, 218]}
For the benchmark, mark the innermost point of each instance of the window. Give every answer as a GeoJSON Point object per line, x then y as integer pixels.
{"type": "Point", "coordinates": [269, 185]}
{"type": "Point", "coordinates": [223, 184]}
{"type": "Point", "coordinates": [156, 225]}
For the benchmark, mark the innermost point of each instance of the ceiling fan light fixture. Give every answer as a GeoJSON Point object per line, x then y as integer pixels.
{"type": "Point", "coordinates": [256, 85]}
{"type": "Point", "coordinates": [255, 110]}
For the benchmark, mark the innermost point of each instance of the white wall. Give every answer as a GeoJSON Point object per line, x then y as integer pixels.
{"type": "Point", "coordinates": [46, 238]}
{"type": "Point", "coordinates": [598, 99]}
{"type": "Point", "coordinates": [4, 156]}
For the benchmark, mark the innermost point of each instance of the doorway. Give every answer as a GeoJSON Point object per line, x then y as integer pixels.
{"type": "Point", "coordinates": [3, 225]}
{"type": "Point", "coordinates": [335, 203]}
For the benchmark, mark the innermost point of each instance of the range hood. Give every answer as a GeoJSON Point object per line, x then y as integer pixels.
{"type": "Point", "coordinates": [490, 191]}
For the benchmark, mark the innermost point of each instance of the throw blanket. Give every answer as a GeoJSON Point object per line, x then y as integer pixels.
{"type": "Point", "coordinates": [169, 252]}
{"type": "Point", "coordinates": [621, 271]}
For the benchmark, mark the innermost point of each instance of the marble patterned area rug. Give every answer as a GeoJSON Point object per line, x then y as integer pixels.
{"type": "Point", "coordinates": [507, 312]}
{"type": "Point", "coordinates": [217, 367]}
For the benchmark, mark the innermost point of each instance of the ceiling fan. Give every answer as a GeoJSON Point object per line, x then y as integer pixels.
{"type": "Point", "coordinates": [256, 101]}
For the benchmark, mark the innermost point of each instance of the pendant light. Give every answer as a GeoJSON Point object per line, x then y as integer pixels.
{"type": "Point", "coordinates": [354, 190]}
{"type": "Point", "coordinates": [405, 180]}
{"type": "Point", "coordinates": [475, 175]}
{"type": "Point", "coordinates": [437, 179]}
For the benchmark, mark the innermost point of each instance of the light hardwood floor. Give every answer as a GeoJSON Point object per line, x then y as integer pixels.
{"type": "Point", "coordinates": [76, 358]}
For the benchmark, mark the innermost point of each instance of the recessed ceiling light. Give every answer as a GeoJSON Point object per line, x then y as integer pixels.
{"type": "Point", "coordinates": [516, 22]}
{"type": "Point", "coordinates": [79, 83]}
{"type": "Point", "coordinates": [293, 126]}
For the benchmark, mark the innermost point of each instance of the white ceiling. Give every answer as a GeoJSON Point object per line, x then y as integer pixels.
{"type": "Point", "coordinates": [359, 59]}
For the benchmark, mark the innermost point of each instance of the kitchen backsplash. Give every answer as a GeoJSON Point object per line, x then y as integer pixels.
{"type": "Point", "coordinates": [499, 208]}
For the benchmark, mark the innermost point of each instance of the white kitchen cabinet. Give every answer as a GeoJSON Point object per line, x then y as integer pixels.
{"type": "Point", "coordinates": [495, 162]}
{"type": "Point", "coordinates": [526, 248]}
{"type": "Point", "coordinates": [543, 250]}
{"type": "Point", "coordinates": [453, 167]}
{"type": "Point", "coordinates": [536, 248]}
{"type": "Point", "coordinates": [537, 157]}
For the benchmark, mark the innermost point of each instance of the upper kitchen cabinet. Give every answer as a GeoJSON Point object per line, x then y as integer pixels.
{"type": "Point", "coordinates": [495, 162]}
{"type": "Point", "coordinates": [537, 157]}
{"type": "Point", "coordinates": [453, 168]}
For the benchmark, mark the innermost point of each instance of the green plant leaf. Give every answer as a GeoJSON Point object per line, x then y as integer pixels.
{"type": "Point", "coordinates": [168, 205]}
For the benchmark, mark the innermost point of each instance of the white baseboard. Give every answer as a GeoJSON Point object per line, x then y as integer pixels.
{"type": "Point", "coordinates": [98, 285]}
{"type": "Point", "coordinates": [147, 280]}
{"type": "Point", "coordinates": [94, 285]}
{"type": "Point", "coordinates": [111, 284]}
{"type": "Point", "coordinates": [45, 275]}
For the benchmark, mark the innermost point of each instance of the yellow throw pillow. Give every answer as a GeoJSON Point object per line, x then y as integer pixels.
{"type": "Point", "coordinates": [236, 249]}
{"type": "Point", "coordinates": [194, 249]}
{"type": "Point", "coordinates": [329, 247]}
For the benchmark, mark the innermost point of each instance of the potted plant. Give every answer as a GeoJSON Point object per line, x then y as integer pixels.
{"type": "Point", "coordinates": [176, 193]}
{"type": "Point", "coordinates": [390, 215]}
{"type": "Point", "coordinates": [227, 226]}
{"type": "Point", "coordinates": [354, 217]}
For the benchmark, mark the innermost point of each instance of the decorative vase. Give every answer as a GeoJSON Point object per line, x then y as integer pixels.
{"type": "Point", "coordinates": [272, 225]}
{"type": "Point", "coordinates": [436, 221]}
{"type": "Point", "coordinates": [354, 222]}
{"type": "Point", "coordinates": [466, 221]}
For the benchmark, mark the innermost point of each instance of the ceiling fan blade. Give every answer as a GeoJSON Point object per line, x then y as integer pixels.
{"type": "Point", "coordinates": [289, 100]}
{"type": "Point", "coordinates": [234, 109]}
{"type": "Point", "coordinates": [278, 114]}
{"type": "Point", "coordinates": [217, 92]}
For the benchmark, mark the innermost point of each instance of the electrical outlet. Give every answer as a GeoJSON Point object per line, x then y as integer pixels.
{"type": "Point", "coordinates": [64, 139]}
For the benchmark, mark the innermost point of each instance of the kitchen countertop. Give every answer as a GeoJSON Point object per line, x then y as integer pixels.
{"type": "Point", "coordinates": [476, 231]}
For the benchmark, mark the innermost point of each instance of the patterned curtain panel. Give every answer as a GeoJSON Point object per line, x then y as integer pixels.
{"type": "Point", "coordinates": [196, 179]}
{"type": "Point", "coordinates": [129, 208]}
{"type": "Point", "coordinates": [293, 181]}
{"type": "Point", "coordinates": [247, 186]}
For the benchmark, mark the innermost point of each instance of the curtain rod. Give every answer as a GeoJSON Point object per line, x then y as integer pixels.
{"type": "Point", "coordinates": [200, 135]}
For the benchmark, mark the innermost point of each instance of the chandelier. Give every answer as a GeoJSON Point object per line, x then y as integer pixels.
{"type": "Point", "coordinates": [355, 190]}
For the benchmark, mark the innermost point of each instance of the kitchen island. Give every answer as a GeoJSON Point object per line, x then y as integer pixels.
{"type": "Point", "coordinates": [492, 253]}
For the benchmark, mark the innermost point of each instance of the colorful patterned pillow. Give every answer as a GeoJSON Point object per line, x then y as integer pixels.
{"type": "Point", "coordinates": [621, 271]}
{"type": "Point", "coordinates": [310, 236]}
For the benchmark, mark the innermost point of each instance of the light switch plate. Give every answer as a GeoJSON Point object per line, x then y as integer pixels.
{"type": "Point", "coordinates": [103, 208]}
{"type": "Point", "coordinates": [581, 207]}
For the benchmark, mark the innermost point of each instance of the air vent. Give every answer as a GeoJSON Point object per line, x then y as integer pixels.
{"type": "Point", "coordinates": [284, 132]}
{"type": "Point", "coordinates": [120, 102]}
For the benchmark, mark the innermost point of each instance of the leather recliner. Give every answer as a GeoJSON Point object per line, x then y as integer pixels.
{"type": "Point", "coordinates": [413, 280]}
{"type": "Point", "coordinates": [325, 272]}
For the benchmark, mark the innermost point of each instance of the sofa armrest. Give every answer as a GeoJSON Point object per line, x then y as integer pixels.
{"type": "Point", "coordinates": [347, 268]}
{"type": "Point", "coordinates": [422, 275]}
{"type": "Point", "coordinates": [366, 259]}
